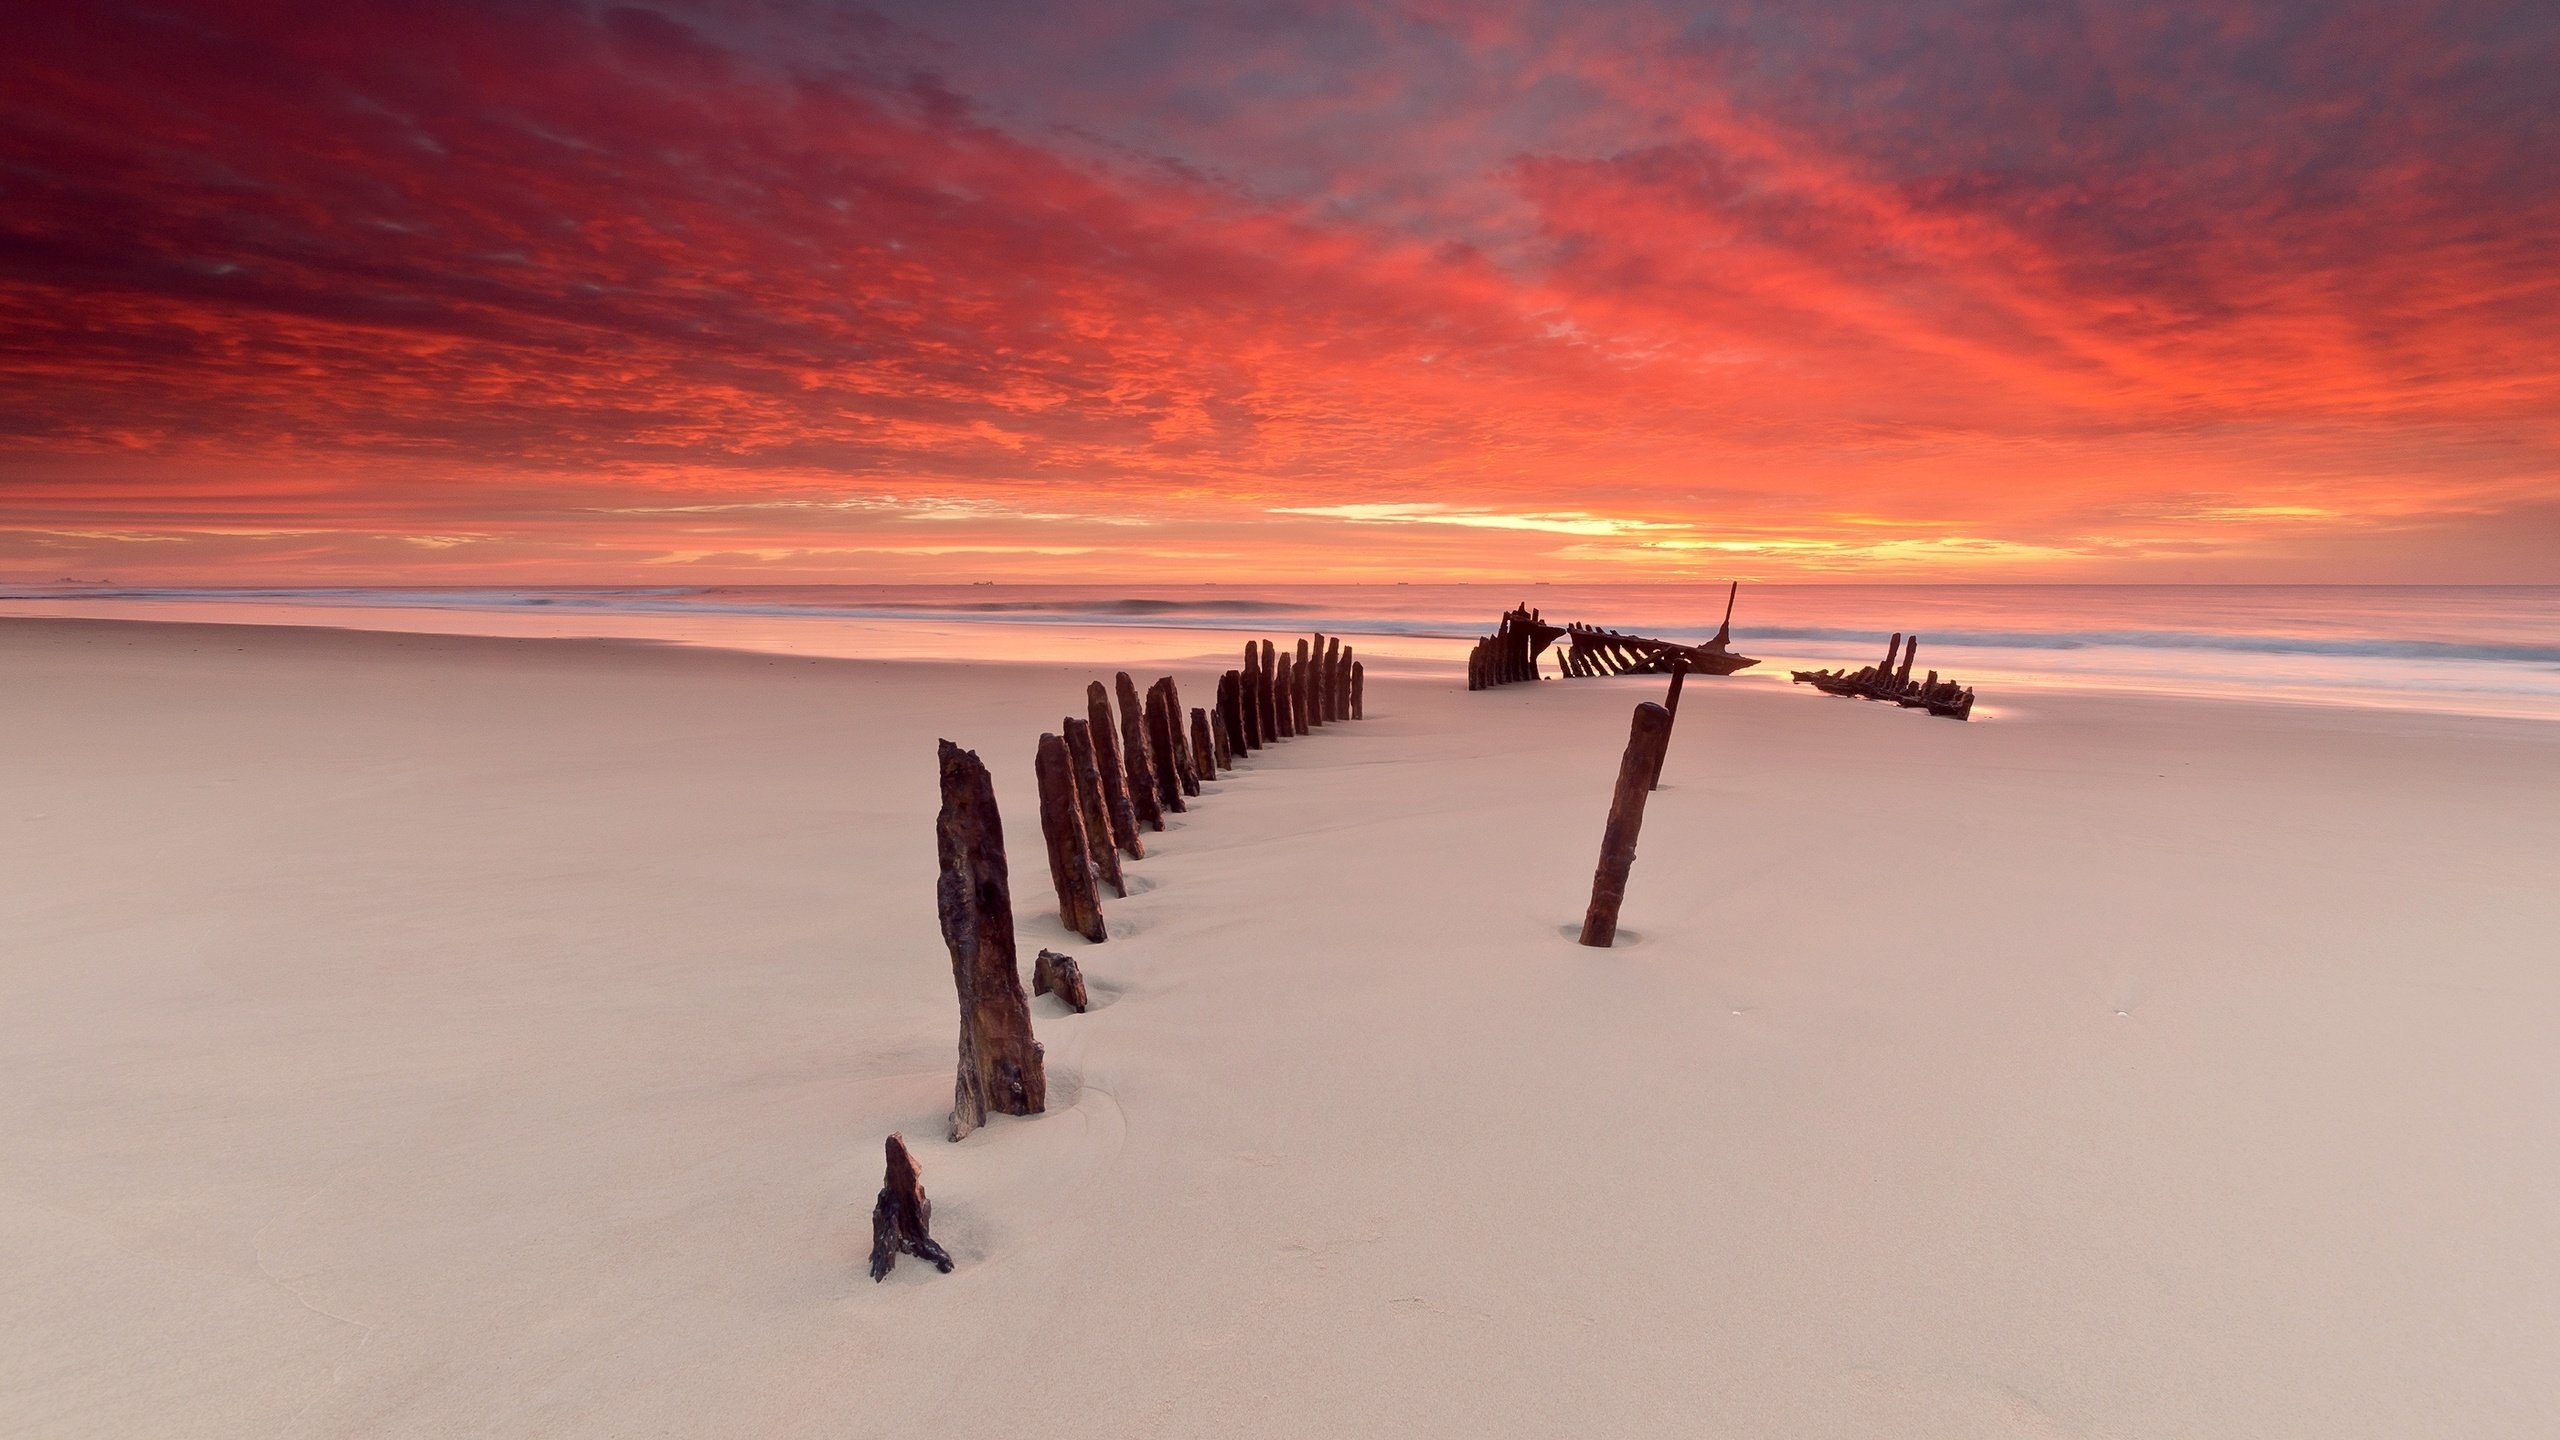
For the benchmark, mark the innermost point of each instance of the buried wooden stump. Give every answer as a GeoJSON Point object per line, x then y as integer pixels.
{"type": "Point", "coordinates": [1636, 770]}
{"type": "Point", "coordinates": [1059, 975]}
{"type": "Point", "coordinates": [1270, 699]}
{"type": "Point", "coordinates": [999, 1061]}
{"type": "Point", "coordinates": [1145, 795]}
{"type": "Point", "coordinates": [1092, 807]}
{"type": "Point", "coordinates": [1115, 784]}
{"type": "Point", "coordinates": [1671, 704]}
{"type": "Point", "coordinates": [1160, 751]}
{"type": "Point", "coordinates": [1062, 827]}
{"type": "Point", "coordinates": [1204, 744]}
{"type": "Point", "coordinates": [1357, 712]}
{"type": "Point", "coordinates": [1187, 766]}
{"type": "Point", "coordinates": [902, 1219]}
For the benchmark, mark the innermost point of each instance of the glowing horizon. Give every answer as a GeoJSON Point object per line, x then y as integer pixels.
{"type": "Point", "coordinates": [726, 293]}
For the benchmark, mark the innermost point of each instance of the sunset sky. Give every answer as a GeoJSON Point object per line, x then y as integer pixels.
{"type": "Point", "coordinates": [1880, 289]}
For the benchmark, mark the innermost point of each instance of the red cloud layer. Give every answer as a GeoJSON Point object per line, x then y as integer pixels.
{"type": "Point", "coordinates": [572, 291]}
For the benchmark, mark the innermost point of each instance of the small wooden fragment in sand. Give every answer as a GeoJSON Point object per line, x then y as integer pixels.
{"type": "Point", "coordinates": [1059, 975]}
{"type": "Point", "coordinates": [999, 1061]}
{"type": "Point", "coordinates": [1062, 827]}
{"type": "Point", "coordinates": [1145, 795]}
{"type": "Point", "coordinates": [902, 1219]}
{"type": "Point", "coordinates": [1636, 770]}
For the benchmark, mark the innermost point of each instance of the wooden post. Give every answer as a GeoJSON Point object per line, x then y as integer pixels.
{"type": "Point", "coordinates": [1168, 780]}
{"type": "Point", "coordinates": [1306, 690]}
{"type": "Point", "coordinates": [1099, 847]}
{"type": "Point", "coordinates": [999, 1061]}
{"type": "Point", "coordinates": [1115, 783]}
{"type": "Point", "coordinates": [1357, 713]}
{"type": "Point", "coordinates": [902, 1219]}
{"type": "Point", "coordinates": [1236, 719]}
{"type": "Point", "coordinates": [1283, 698]}
{"type": "Point", "coordinates": [1342, 684]}
{"type": "Point", "coordinates": [1145, 796]}
{"type": "Point", "coordinates": [1671, 707]}
{"type": "Point", "coordinates": [1062, 827]}
{"type": "Point", "coordinates": [1902, 676]}
{"type": "Point", "coordinates": [1186, 767]}
{"type": "Point", "coordinates": [1636, 769]}
{"type": "Point", "coordinates": [1221, 743]}
{"type": "Point", "coordinates": [1270, 702]}
{"type": "Point", "coordinates": [1056, 974]}
{"type": "Point", "coordinates": [1331, 694]}
{"type": "Point", "coordinates": [1204, 748]}
{"type": "Point", "coordinates": [1249, 708]}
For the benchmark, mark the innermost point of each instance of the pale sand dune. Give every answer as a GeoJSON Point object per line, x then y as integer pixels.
{"type": "Point", "coordinates": [434, 1036]}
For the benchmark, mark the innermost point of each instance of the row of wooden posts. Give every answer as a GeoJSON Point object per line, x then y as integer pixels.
{"type": "Point", "coordinates": [1103, 782]}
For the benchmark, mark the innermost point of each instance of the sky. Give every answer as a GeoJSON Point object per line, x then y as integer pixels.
{"type": "Point", "coordinates": [1486, 289]}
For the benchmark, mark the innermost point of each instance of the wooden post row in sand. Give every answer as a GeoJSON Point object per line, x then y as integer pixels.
{"type": "Point", "coordinates": [902, 1219]}
{"type": "Point", "coordinates": [1636, 771]}
{"type": "Point", "coordinates": [999, 1061]}
{"type": "Point", "coordinates": [1062, 828]}
{"type": "Point", "coordinates": [1145, 797]}
{"type": "Point", "coordinates": [1115, 785]}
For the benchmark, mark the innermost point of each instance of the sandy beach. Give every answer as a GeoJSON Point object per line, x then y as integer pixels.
{"type": "Point", "coordinates": [414, 1035]}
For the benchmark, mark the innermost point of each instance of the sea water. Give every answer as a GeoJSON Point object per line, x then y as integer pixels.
{"type": "Point", "coordinates": [2462, 649]}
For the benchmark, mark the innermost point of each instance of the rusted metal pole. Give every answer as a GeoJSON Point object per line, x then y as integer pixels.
{"type": "Point", "coordinates": [1636, 769]}
{"type": "Point", "coordinates": [1671, 707]}
{"type": "Point", "coordinates": [999, 1061]}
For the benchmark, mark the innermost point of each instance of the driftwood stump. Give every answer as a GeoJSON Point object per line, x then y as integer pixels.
{"type": "Point", "coordinates": [1115, 784]}
{"type": "Point", "coordinates": [1145, 795]}
{"type": "Point", "coordinates": [1357, 712]}
{"type": "Point", "coordinates": [1056, 974]}
{"type": "Point", "coordinates": [1091, 807]}
{"type": "Point", "coordinates": [1204, 744]}
{"type": "Point", "coordinates": [902, 1219]}
{"type": "Point", "coordinates": [999, 1061]}
{"type": "Point", "coordinates": [1671, 706]}
{"type": "Point", "coordinates": [1636, 769]}
{"type": "Point", "coordinates": [1248, 700]}
{"type": "Point", "coordinates": [1062, 827]}
{"type": "Point", "coordinates": [1160, 743]}
{"type": "Point", "coordinates": [1270, 697]}
{"type": "Point", "coordinates": [1186, 763]}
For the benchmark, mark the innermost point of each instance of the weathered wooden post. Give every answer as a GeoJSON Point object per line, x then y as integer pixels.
{"type": "Point", "coordinates": [1234, 718]}
{"type": "Point", "coordinates": [1186, 772]}
{"type": "Point", "coordinates": [1671, 707]}
{"type": "Point", "coordinates": [1221, 741]}
{"type": "Point", "coordinates": [1284, 698]}
{"type": "Point", "coordinates": [1167, 780]}
{"type": "Point", "coordinates": [902, 1219]}
{"type": "Point", "coordinates": [1092, 807]}
{"type": "Point", "coordinates": [1270, 696]}
{"type": "Point", "coordinates": [1056, 974]}
{"type": "Point", "coordinates": [1636, 769]}
{"type": "Point", "coordinates": [1115, 783]}
{"type": "Point", "coordinates": [1204, 745]}
{"type": "Point", "coordinates": [1342, 684]}
{"type": "Point", "coordinates": [1902, 676]}
{"type": "Point", "coordinates": [1357, 712]}
{"type": "Point", "coordinates": [1062, 828]}
{"type": "Point", "coordinates": [1145, 796]}
{"type": "Point", "coordinates": [1308, 719]}
{"type": "Point", "coordinates": [999, 1061]}
{"type": "Point", "coordinates": [1331, 698]}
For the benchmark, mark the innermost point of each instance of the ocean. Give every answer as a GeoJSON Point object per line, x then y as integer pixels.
{"type": "Point", "coordinates": [2488, 650]}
